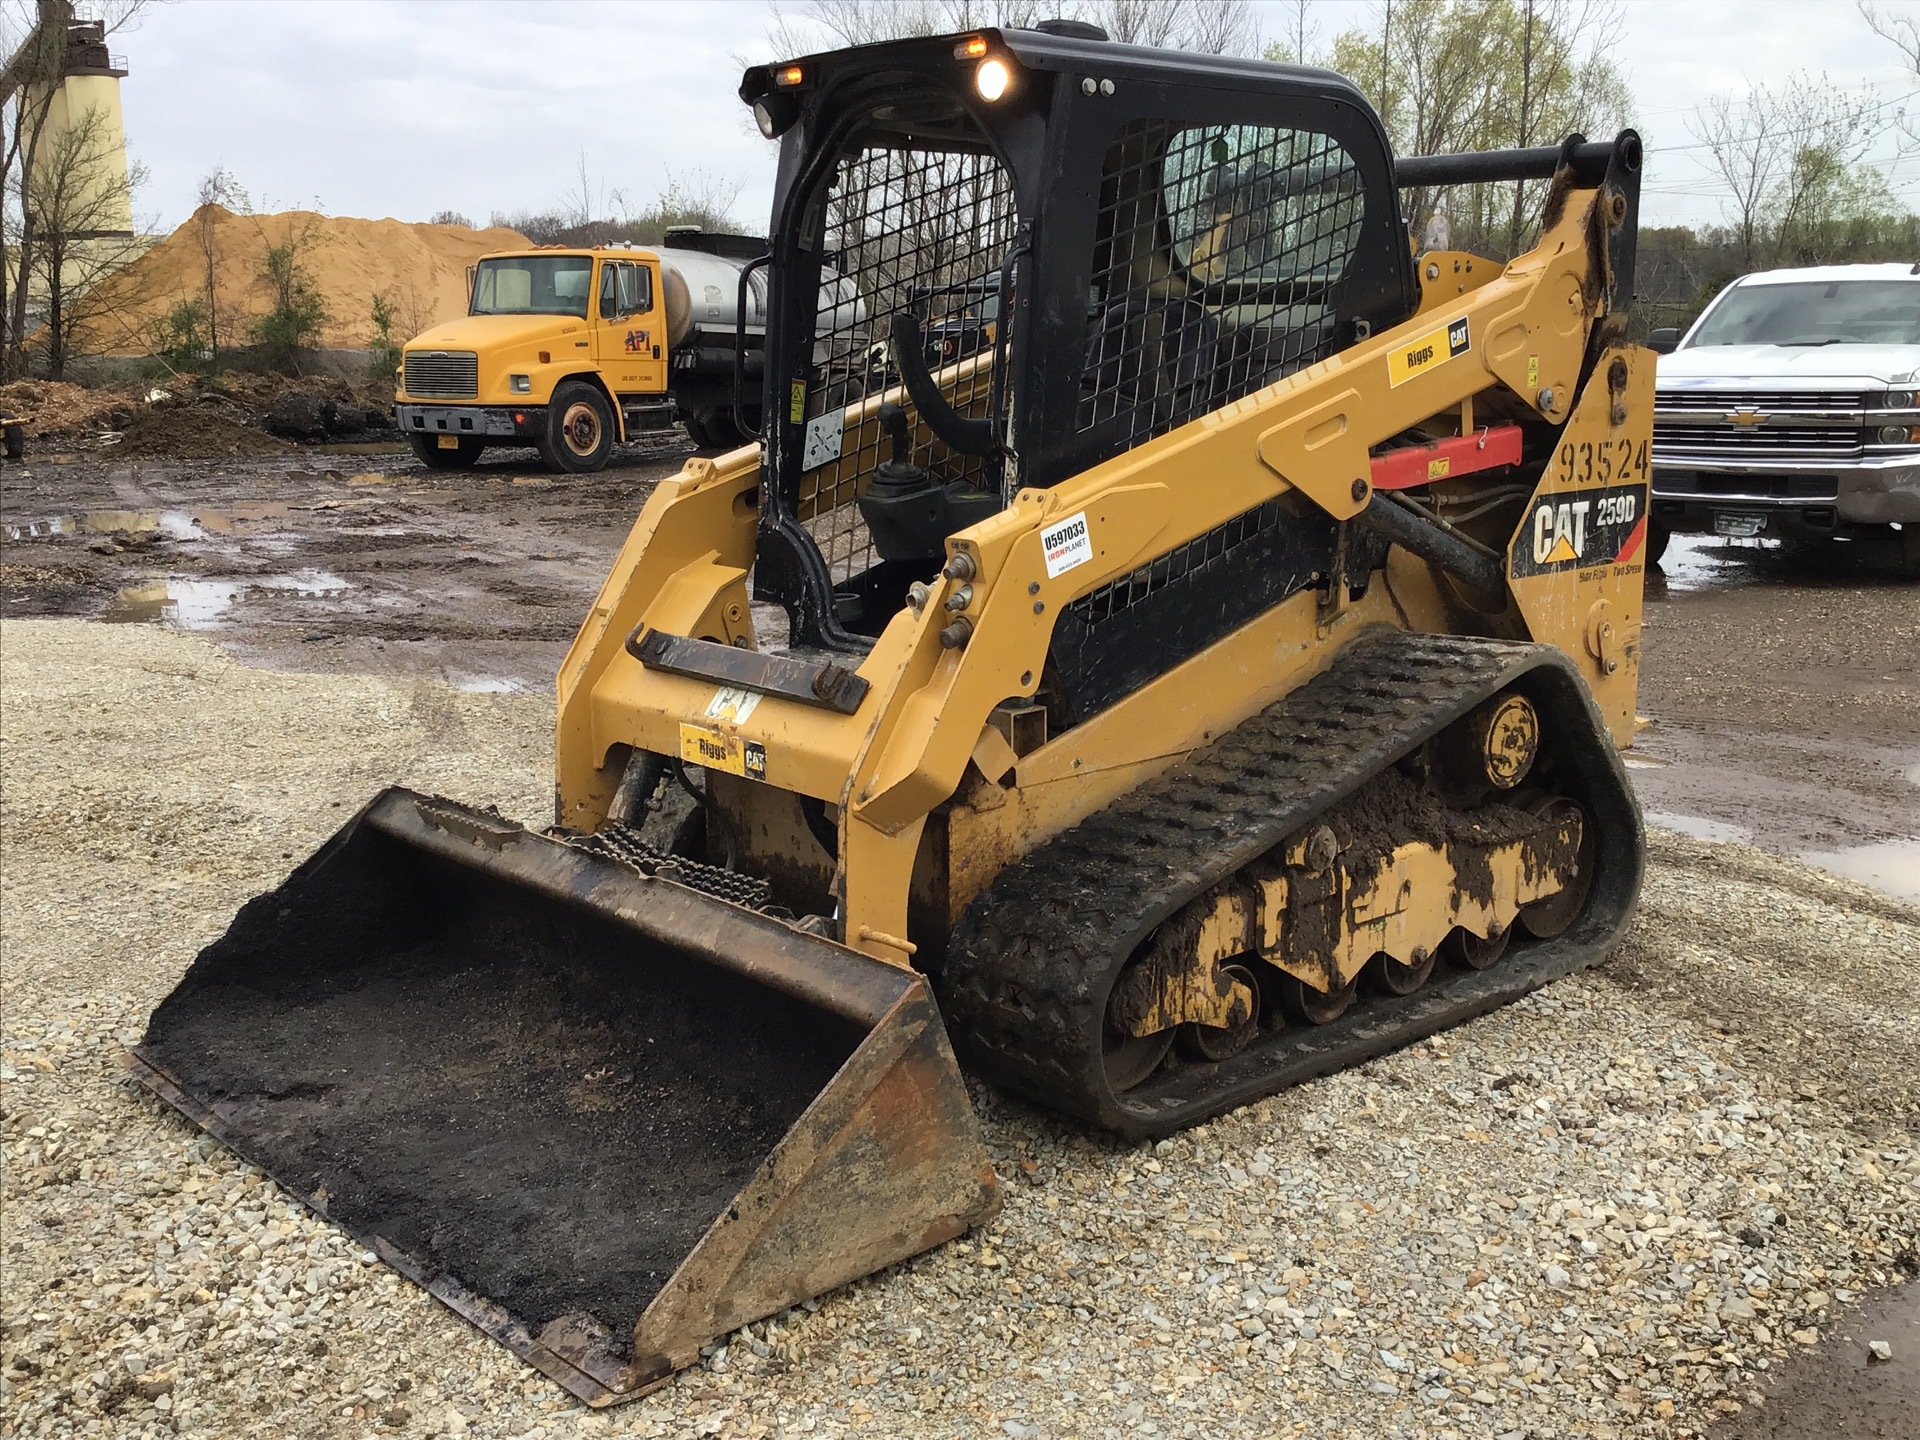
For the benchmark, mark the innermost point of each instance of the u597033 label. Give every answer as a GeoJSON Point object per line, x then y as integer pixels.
{"type": "Point", "coordinates": [1067, 545]}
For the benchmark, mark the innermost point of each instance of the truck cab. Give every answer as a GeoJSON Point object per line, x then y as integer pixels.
{"type": "Point", "coordinates": [572, 350]}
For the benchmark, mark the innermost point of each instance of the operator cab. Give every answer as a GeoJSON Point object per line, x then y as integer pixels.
{"type": "Point", "coordinates": [1005, 256]}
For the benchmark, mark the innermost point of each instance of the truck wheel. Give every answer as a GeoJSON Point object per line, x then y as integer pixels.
{"type": "Point", "coordinates": [721, 430]}
{"type": "Point", "coordinates": [697, 432]}
{"type": "Point", "coordinates": [579, 438]}
{"type": "Point", "coordinates": [427, 448]}
{"type": "Point", "coordinates": [1657, 537]}
{"type": "Point", "coordinates": [1906, 550]}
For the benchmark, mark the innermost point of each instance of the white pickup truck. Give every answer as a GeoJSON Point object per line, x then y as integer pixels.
{"type": "Point", "coordinates": [1791, 409]}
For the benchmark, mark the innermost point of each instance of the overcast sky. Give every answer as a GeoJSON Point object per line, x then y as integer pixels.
{"type": "Point", "coordinates": [405, 107]}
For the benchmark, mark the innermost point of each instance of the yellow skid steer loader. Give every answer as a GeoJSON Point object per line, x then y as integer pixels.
{"type": "Point", "coordinates": [1170, 642]}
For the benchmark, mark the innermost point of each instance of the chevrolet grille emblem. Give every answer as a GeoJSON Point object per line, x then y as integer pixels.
{"type": "Point", "coordinates": [1745, 416]}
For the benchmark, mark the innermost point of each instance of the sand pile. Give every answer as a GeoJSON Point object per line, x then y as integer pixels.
{"type": "Point", "coordinates": [421, 269]}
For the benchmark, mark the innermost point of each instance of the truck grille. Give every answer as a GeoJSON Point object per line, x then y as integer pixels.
{"type": "Point", "coordinates": [1767, 402]}
{"type": "Point", "coordinates": [1676, 441]}
{"type": "Point", "coordinates": [443, 374]}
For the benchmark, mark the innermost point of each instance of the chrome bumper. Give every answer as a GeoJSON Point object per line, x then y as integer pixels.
{"type": "Point", "coordinates": [483, 422]}
{"type": "Point", "coordinates": [1876, 490]}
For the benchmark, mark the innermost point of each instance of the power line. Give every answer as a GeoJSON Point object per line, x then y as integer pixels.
{"type": "Point", "coordinates": [1655, 152]}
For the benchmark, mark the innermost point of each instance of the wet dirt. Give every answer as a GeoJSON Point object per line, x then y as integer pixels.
{"type": "Point", "coordinates": [1840, 1390]}
{"type": "Point", "coordinates": [360, 563]}
{"type": "Point", "coordinates": [350, 1030]}
{"type": "Point", "coordinates": [1784, 694]}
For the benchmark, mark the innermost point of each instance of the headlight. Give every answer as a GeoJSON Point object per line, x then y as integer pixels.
{"type": "Point", "coordinates": [1896, 400]}
{"type": "Point", "coordinates": [520, 384]}
{"type": "Point", "coordinates": [992, 78]}
{"type": "Point", "coordinates": [1899, 434]}
{"type": "Point", "coordinates": [775, 114]}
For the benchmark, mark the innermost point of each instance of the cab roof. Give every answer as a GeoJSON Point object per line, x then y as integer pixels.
{"type": "Point", "coordinates": [1895, 270]}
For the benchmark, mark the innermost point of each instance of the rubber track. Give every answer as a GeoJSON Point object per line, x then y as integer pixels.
{"type": "Point", "coordinates": [1027, 976]}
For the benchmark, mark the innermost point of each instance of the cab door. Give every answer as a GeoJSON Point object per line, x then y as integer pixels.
{"type": "Point", "coordinates": [630, 341]}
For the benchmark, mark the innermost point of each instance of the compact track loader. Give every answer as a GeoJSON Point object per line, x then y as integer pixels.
{"type": "Point", "coordinates": [1172, 641]}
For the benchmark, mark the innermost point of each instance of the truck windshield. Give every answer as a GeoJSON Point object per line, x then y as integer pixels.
{"type": "Point", "coordinates": [1816, 312]}
{"type": "Point", "coordinates": [533, 285]}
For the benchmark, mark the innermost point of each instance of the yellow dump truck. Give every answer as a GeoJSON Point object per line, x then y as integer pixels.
{"type": "Point", "coordinates": [574, 350]}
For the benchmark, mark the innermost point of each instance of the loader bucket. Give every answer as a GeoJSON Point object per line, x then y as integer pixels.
{"type": "Point", "coordinates": [604, 1116]}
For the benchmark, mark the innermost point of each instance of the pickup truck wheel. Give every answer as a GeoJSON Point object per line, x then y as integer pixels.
{"type": "Point", "coordinates": [1657, 537]}
{"type": "Point", "coordinates": [463, 457]}
{"type": "Point", "coordinates": [580, 431]}
{"type": "Point", "coordinates": [1907, 551]}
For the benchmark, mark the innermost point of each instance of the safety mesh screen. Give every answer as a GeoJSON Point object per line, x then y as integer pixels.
{"type": "Point", "coordinates": [919, 230]}
{"type": "Point", "coordinates": [1219, 258]}
{"type": "Point", "coordinates": [1196, 557]}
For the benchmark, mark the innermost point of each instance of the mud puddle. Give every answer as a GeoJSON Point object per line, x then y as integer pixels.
{"type": "Point", "coordinates": [243, 518]}
{"type": "Point", "coordinates": [1890, 866]}
{"type": "Point", "coordinates": [1695, 563]}
{"type": "Point", "coordinates": [1785, 704]}
{"type": "Point", "coordinates": [479, 578]}
{"type": "Point", "coordinates": [202, 604]}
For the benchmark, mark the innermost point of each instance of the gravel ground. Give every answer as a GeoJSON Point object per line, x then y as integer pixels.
{"type": "Point", "coordinates": [1604, 1211]}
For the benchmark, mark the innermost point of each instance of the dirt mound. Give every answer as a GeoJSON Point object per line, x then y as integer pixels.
{"type": "Point", "coordinates": [196, 430]}
{"type": "Point", "coordinates": [420, 269]}
{"type": "Point", "coordinates": [55, 409]}
{"type": "Point", "coordinates": [191, 417]}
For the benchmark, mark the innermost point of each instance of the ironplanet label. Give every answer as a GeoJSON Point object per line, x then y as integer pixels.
{"type": "Point", "coordinates": [1572, 530]}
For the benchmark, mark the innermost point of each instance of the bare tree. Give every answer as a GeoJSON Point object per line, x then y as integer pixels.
{"type": "Point", "coordinates": [1784, 158]}
{"type": "Point", "coordinates": [1299, 41]}
{"type": "Point", "coordinates": [1562, 86]}
{"type": "Point", "coordinates": [1903, 30]}
{"type": "Point", "coordinates": [218, 192]}
{"type": "Point", "coordinates": [1451, 75]}
{"type": "Point", "coordinates": [35, 36]}
{"type": "Point", "coordinates": [83, 204]}
{"type": "Point", "coordinates": [689, 197]}
{"type": "Point", "coordinates": [1216, 27]}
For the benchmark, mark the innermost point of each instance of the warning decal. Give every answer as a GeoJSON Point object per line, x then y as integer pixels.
{"type": "Point", "coordinates": [1429, 352]}
{"type": "Point", "coordinates": [1569, 531]}
{"type": "Point", "coordinates": [726, 753]}
{"type": "Point", "coordinates": [1067, 545]}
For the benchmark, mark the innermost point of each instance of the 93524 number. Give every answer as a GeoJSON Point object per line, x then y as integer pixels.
{"type": "Point", "coordinates": [1587, 462]}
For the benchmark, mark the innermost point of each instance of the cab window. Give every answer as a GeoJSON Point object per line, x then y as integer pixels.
{"type": "Point", "coordinates": [532, 285]}
{"type": "Point", "coordinates": [625, 289]}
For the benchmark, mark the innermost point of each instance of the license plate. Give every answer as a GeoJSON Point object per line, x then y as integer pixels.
{"type": "Point", "coordinates": [449, 442]}
{"type": "Point", "coordinates": [1739, 527]}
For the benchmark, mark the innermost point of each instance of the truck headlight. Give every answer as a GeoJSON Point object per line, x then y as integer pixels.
{"type": "Point", "coordinates": [1899, 434]}
{"type": "Point", "coordinates": [1895, 400]}
{"type": "Point", "coordinates": [520, 384]}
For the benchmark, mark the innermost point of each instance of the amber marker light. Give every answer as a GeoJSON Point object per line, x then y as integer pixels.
{"type": "Point", "coordinates": [787, 76]}
{"type": "Point", "coordinates": [992, 78]}
{"type": "Point", "coordinates": [971, 48]}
